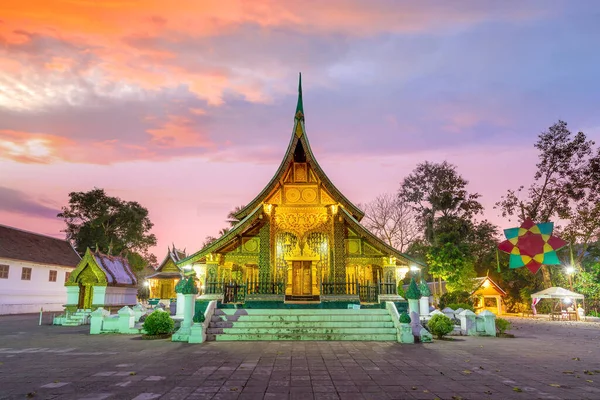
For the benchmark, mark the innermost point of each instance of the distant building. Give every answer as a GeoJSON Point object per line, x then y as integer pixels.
{"type": "Point", "coordinates": [33, 270]}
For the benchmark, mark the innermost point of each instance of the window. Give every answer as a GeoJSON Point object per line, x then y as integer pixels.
{"type": "Point", "coordinates": [3, 271]}
{"type": "Point", "coordinates": [67, 275]}
{"type": "Point", "coordinates": [26, 274]}
{"type": "Point", "coordinates": [52, 276]}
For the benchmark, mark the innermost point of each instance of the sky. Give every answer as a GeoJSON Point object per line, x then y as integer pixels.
{"type": "Point", "coordinates": [187, 107]}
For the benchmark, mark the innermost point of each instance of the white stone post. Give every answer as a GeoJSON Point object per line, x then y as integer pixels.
{"type": "Point", "coordinates": [415, 323]}
{"type": "Point", "coordinates": [96, 320]}
{"type": "Point", "coordinates": [448, 312]}
{"type": "Point", "coordinates": [467, 323]}
{"type": "Point", "coordinates": [179, 309]}
{"type": "Point", "coordinates": [489, 322]}
{"type": "Point", "coordinates": [138, 311]}
{"type": "Point", "coordinates": [72, 295]}
{"type": "Point", "coordinates": [424, 306]}
{"type": "Point", "coordinates": [183, 333]}
{"type": "Point", "coordinates": [126, 320]}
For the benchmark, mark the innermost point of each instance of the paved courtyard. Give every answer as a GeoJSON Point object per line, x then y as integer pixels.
{"type": "Point", "coordinates": [545, 361]}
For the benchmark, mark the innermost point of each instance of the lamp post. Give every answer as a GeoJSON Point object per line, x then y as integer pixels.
{"type": "Point", "coordinates": [569, 270]}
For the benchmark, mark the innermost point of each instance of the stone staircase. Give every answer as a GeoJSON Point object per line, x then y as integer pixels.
{"type": "Point", "coordinates": [301, 324]}
{"type": "Point", "coordinates": [79, 317]}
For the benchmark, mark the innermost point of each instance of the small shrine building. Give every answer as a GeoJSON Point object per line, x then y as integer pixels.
{"type": "Point", "coordinates": [162, 282]}
{"type": "Point", "coordinates": [300, 238]}
{"type": "Point", "coordinates": [101, 280]}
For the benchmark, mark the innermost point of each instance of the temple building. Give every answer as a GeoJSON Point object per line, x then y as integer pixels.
{"type": "Point", "coordinates": [300, 239]}
{"type": "Point", "coordinates": [162, 282]}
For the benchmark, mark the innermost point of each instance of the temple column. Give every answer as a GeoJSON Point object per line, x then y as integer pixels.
{"type": "Point", "coordinates": [264, 257]}
{"type": "Point", "coordinates": [339, 253]}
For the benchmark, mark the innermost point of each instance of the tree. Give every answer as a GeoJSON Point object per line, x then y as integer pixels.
{"type": "Point", "coordinates": [110, 225]}
{"type": "Point", "coordinates": [439, 195]}
{"type": "Point", "coordinates": [436, 190]}
{"type": "Point", "coordinates": [231, 218]}
{"type": "Point", "coordinates": [566, 186]}
{"type": "Point", "coordinates": [392, 220]}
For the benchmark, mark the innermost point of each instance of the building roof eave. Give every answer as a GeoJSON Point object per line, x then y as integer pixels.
{"type": "Point", "coordinates": [225, 239]}
{"type": "Point", "coordinates": [376, 241]}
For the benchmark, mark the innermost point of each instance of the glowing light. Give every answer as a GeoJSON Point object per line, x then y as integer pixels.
{"type": "Point", "coordinates": [414, 268]}
{"type": "Point", "coordinates": [486, 283]}
{"type": "Point", "coordinates": [569, 270]}
{"type": "Point", "coordinates": [187, 268]}
{"type": "Point", "coordinates": [567, 300]}
{"type": "Point", "coordinates": [146, 283]}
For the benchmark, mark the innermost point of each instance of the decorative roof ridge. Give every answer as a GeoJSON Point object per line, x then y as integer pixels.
{"type": "Point", "coordinates": [99, 257]}
{"type": "Point", "coordinates": [377, 241]}
{"type": "Point", "coordinates": [288, 159]}
{"type": "Point", "coordinates": [223, 239]}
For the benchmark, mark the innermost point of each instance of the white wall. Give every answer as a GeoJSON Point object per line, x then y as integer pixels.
{"type": "Point", "coordinates": [19, 296]}
{"type": "Point", "coordinates": [119, 296]}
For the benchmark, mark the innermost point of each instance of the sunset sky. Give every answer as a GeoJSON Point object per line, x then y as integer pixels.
{"type": "Point", "coordinates": [187, 107]}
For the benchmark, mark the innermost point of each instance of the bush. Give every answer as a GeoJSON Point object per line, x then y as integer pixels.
{"type": "Point", "coordinates": [502, 325]}
{"type": "Point", "coordinates": [158, 323]}
{"type": "Point", "coordinates": [440, 325]}
{"type": "Point", "coordinates": [464, 306]}
{"type": "Point", "coordinates": [404, 318]}
{"type": "Point", "coordinates": [401, 291]}
{"type": "Point", "coordinates": [455, 298]}
{"type": "Point", "coordinates": [593, 313]}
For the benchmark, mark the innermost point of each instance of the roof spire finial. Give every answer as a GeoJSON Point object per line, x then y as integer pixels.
{"type": "Point", "coordinates": [300, 107]}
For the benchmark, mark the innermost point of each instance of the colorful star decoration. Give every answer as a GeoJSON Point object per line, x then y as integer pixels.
{"type": "Point", "coordinates": [531, 245]}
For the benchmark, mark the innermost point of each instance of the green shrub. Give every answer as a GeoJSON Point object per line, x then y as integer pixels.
{"type": "Point", "coordinates": [404, 318]}
{"type": "Point", "coordinates": [455, 298]}
{"type": "Point", "coordinates": [593, 313]}
{"type": "Point", "coordinates": [158, 323]}
{"type": "Point", "coordinates": [413, 292]}
{"type": "Point", "coordinates": [440, 325]}
{"type": "Point", "coordinates": [464, 306]}
{"type": "Point", "coordinates": [401, 291]}
{"type": "Point", "coordinates": [502, 325]}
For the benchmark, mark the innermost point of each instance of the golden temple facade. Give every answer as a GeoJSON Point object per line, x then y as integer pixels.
{"type": "Point", "coordinates": [300, 237]}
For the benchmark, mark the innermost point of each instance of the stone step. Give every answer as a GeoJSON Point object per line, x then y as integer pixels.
{"type": "Point", "coordinates": [325, 324]}
{"type": "Point", "coordinates": [297, 330]}
{"type": "Point", "coordinates": [304, 336]}
{"type": "Point", "coordinates": [299, 311]}
{"type": "Point", "coordinates": [303, 318]}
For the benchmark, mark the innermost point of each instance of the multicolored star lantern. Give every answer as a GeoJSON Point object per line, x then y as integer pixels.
{"type": "Point", "coordinates": [531, 245]}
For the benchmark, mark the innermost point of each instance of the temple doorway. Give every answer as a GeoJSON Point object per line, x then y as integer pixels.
{"type": "Point", "coordinates": [301, 278]}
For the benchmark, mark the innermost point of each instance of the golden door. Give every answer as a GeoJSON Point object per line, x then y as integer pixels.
{"type": "Point", "coordinates": [302, 278]}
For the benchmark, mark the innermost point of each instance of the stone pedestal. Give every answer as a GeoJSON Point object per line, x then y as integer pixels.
{"type": "Point", "coordinates": [179, 309]}
{"type": "Point", "coordinates": [197, 334]}
{"type": "Point", "coordinates": [126, 319]}
{"type": "Point", "coordinates": [488, 320]}
{"type": "Point", "coordinates": [415, 321]}
{"type": "Point", "coordinates": [183, 333]}
{"type": "Point", "coordinates": [406, 334]}
{"type": "Point", "coordinates": [425, 336]}
{"type": "Point", "coordinates": [467, 323]}
{"type": "Point", "coordinates": [96, 320]}
{"type": "Point", "coordinates": [424, 306]}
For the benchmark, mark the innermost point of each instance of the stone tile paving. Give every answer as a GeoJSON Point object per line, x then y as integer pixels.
{"type": "Point", "coordinates": [547, 360]}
